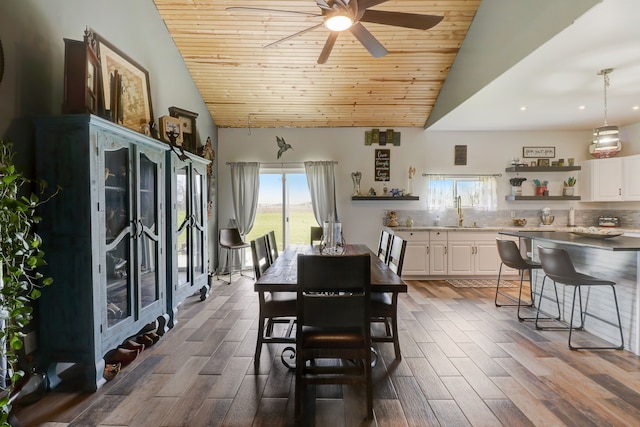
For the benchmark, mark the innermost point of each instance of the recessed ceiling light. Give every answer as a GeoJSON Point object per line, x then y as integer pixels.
{"type": "Point", "coordinates": [523, 108]}
{"type": "Point", "coordinates": [582, 107]}
{"type": "Point", "coordinates": [636, 107]}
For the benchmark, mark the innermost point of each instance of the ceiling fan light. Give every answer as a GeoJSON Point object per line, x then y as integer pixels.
{"type": "Point", "coordinates": [338, 23]}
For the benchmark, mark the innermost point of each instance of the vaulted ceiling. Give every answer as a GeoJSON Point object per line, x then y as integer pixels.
{"type": "Point", "coordinates": [245, 84]}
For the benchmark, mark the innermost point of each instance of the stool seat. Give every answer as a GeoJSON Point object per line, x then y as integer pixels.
{"type": "Point", "coordinates": [558, 267]}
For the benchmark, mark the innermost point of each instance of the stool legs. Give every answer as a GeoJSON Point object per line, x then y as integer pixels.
{"type": "Point", "coordinates": [229, 266]}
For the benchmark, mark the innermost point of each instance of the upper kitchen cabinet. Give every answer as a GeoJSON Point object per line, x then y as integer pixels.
{"type": "Point", "coordinates": [104, 236]}
{"type": "Point", "coordinates": [614, 179]}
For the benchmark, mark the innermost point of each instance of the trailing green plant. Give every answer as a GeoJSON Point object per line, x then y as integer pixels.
{"type": "Point", "coordinates": [20, 258]}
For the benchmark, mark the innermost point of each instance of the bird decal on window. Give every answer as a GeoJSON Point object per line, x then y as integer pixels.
{"type": "Point", "coordinates": [283, 146]}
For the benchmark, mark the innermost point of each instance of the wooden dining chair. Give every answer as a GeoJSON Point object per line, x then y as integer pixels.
{"type": "Point", "coordinates": [273, 245]}
{"type": "Point", "coordinates": [383, 245]}
{"type": "Point", "coordinates": [315, 235]}
{"type": "Point", "coordinates": [333, 324]}
{"type": "Point", "coordinates": [274, 307]}
{"type": "Point", "coordinates": [384, 305]}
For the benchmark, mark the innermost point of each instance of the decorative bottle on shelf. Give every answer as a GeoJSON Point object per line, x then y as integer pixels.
{"type": "Point", "coordinates": [356, 177]}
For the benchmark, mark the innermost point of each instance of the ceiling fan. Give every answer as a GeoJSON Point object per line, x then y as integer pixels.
{"type": "Point", "coordinates": [341, 15]}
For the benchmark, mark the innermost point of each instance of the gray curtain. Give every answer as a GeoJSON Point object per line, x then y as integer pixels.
{"type": "Point", "coordinates": [245, 186]}
{"type": "Point", "coordinates": [322, 186]}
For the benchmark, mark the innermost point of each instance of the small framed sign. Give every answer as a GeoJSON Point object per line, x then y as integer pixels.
{"type": "Point", "coordinates": [460, 155]}
{"type": "Point", "coordinates": [537, 152]}
{"type": "Point", "coordinates": [382, 165]}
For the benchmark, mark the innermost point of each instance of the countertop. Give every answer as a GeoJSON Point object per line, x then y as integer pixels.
{"type": "Point", "coordinates": [498, 228]}
{"type": "Point", "coordinates": [619, 243]}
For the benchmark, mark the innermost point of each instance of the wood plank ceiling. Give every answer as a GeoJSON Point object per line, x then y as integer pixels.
{"type": "Point", "coordinates": [244, 84]}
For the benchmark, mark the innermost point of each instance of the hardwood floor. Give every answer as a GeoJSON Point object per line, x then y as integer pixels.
{"type": "Point", "coordinates": [465, 363]}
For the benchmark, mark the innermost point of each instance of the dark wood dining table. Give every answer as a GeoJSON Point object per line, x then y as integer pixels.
{"type": "Point", "coordinates": [282, 275]}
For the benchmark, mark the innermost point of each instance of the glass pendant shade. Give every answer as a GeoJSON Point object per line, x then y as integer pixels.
{"type": "Point", "coordinates": [606, 139]}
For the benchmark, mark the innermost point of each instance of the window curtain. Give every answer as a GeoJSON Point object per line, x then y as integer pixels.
{"type": "Point", "coordinates": [322, 186]}
{"type": "Point", "coordinates": [487, 193]}
{"type": "Point", "coordinates": [439, 192]}
{"type": "Point", "coordinates": [245, 186]}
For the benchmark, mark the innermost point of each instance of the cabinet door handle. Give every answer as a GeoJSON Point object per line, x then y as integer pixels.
{"type": "Point", "coordinates": [445, 250]}
{"type": "Point", "coordinates": [619, 191]}
{"type": "Point", "coordinates": [427, 250]}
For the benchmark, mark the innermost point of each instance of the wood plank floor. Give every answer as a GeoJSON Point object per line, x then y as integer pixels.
{"type": "Point", "coordinates": [465, 363]}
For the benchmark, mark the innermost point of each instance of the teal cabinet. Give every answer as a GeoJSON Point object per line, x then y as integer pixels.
{"type": "Point", "coordinates": [186, 230]}
{"type": "Point", "coordinates": [104, 237]}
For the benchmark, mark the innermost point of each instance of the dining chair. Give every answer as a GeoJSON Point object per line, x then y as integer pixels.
{"type": "Point", "coordinates": [511, 256]}
{"type": "Point", "coordinates": [274, 307]}
{"type": "Point", "coordinates": [315, 235]}
{"type": "Point", "coordinates": [333, 323]}
{"type": "Point", "coordinates": [557, 266]}
{"type": "Point", "coordinates": [273, 245]}
{"type": "Point", "coordinates": [230, 240]}
{"type": "Point", "coordinates": [383, 245]}
{"type": "Point", "coordinates": [384, 305]}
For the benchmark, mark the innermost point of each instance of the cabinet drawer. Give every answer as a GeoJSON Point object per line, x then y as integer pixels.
{"type": "Point", "coordinates": [438, 236]}
{"type": "Point", "coordinates": [414, 236]}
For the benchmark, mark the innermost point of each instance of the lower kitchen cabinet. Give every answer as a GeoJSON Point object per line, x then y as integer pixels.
{"type": "Point", "coordinates": [416, 256]}
{"type": "Point", "coordinates": [472, 254]}
{"type": "Point", "coordinates": [437, 253]}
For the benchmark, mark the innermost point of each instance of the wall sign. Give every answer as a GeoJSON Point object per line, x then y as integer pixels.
{"type": "Point", "coordinates": [547, 152]}
{"type": "Point", "coordinates": [460, 155]}
{"type": "Point", "coordinates": [382, 165]}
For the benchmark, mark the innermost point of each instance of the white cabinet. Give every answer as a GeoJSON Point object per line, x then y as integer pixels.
{"type": "Point", "coordinates": [612, 180]}
{"type": "Point", "coordinates": [416, 256]}
{"type": "Point", "coordinates": [437, 253]}
{"type": "Point", "coordinates": [631, 177]}
{"type": "Point", "coordinates": [472, 253]}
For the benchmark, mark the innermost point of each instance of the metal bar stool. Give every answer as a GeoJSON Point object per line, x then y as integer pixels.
{"type": "Point", "coordinates": [231, 240]}
{"type": "Point", "coordinates": [557, 266]}
{"type": "Point", "coordinates": [511, 257]}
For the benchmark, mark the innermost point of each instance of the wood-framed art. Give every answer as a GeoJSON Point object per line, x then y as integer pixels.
{"type": "Point", "coordinates": [125, 87]}
{"type": "Point", "coordinates": [538, 152]}
{"type": "Point", "coordinates": [543, 162]}
{"type": "Point", "coordinates": [170, 126]}
{"type": "Point", "coordinates": [188, 127]}
{"type": "Point", "coordinates": [81, 78]}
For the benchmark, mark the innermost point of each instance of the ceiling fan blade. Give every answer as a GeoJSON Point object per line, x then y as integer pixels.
{"type": "Point", "coordinates": [401, 19]}
{"type": "Point", "coordinates": [277, 42]}
{"type": "Point", "coordinates": [259, 9]}
{"type": "Point", "coordinates": [328, 46]}
{"type": "Point", "coordinates": [370, 43]}
{"type": "Point", "coordinates": [364, 4]}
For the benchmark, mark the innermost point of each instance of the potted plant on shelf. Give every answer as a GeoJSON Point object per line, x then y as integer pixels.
{"type": "Point", "coordinates": [567, 188]}
{"type": "Point", "coordinates": [541, 187]}
{"type": "Point", "coordinates": [20, 282]}
{"type": "Point", "coordinates": [516, 186]}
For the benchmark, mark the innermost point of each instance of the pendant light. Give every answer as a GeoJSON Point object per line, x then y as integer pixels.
{"type": "Point", "coordinates": [606, 139]}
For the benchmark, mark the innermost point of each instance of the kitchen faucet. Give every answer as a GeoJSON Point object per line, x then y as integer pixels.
{"type": "Point", "coordinates": [460, 216]}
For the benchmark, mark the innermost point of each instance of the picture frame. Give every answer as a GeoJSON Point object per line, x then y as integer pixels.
{"type": "Point", "coordinates": [543, 162]}
{"type": "Point", "coordinates": [188, 127]}
{"type": "Point", "coordinates": [125, 87]}
{"type": "Point", "coordinates": [539, 152]}
{"type": "Point", "coordinates": [170, 125]}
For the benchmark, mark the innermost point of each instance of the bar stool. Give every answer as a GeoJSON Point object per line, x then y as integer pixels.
{"type": "Point", "coordinates": [557, 266]}
{"type": "Point", "coordinates": [511, 257]}
{"type": "Point", "coordinates": [231, 240]}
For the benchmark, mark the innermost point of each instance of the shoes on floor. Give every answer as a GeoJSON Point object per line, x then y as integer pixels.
{"type": "Point", "coordinates": [132, 345]}
{"type": "Point", "coordinates": [145, 339]}
{"type": "Point", "coordinates": [111, 370]}
{"type": "Point", "coordinates": [121, 355]}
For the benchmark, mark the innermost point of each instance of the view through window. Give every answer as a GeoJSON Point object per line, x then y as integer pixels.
{"type": "Point", "coordinates": [284, 205]}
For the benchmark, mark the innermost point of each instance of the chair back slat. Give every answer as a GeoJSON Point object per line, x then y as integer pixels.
{"type": "Point", "coordinates": [396, 254]}
{"type": "Point", "coordinates": [273, 246]}
{"type": "Point", "coordinates": [383, 246]}
{"type": "Point", "coordinates": [260, 255]}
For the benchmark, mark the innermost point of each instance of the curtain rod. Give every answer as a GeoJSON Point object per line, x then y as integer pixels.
{"type": "Point", "coordinates": [282, 163]}
{"type": "Point", "coordinates": [462, 175]}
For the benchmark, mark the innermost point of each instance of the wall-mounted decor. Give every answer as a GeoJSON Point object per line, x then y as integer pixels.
{"type": "Point", "coordinates": [543, 162]}
{"type": "Point", "coordinates": [125, 87]}
{"type": "Point", "coordinates": [460, 155]}
{"type": "Point", "coordinates": [382, 165]}
{"type": "Point", "coordinates": [547, 152]}
{"type": "Point", "coordinates": [382, 137]}
{"type": "Point", "coordinates": [170, 130]}
{"type": "Point", "coordinates": [187, 127]}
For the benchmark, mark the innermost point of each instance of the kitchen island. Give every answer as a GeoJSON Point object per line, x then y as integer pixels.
{"type": "Point", "coordinates": [614, 258]}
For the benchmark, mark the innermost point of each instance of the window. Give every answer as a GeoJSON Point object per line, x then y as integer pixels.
{"type": "Point", "coordinates": [477, 192]}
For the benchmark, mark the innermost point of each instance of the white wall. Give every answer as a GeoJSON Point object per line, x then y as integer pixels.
{"type": "Point", "coordinates": [428, 152]}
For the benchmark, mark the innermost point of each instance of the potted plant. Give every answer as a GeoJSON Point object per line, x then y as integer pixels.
{"type": "Point", "coordinates": [567, 188]}
{"type": "Point", "coordinates": [20, 258]}
{"type": "Point", "coordinates": [516, 186]}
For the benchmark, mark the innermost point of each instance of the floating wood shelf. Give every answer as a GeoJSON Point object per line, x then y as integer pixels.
{"type": "Point", "coordinates": [543, 168]}
{"type": "Point", "coordinates": [514, 198]}
{"type": "Point", "coordinates": [398, 198]}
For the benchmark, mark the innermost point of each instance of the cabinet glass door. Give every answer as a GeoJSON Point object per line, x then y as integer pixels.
{"type": "Point", "coordinates": [183, 237]}
{"type": "Point", "coordinates": [198, 223]}
{"type": "Point", "coordinates": [148, 231]}
{"type": "Point", "coordinates": [117, 235]}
